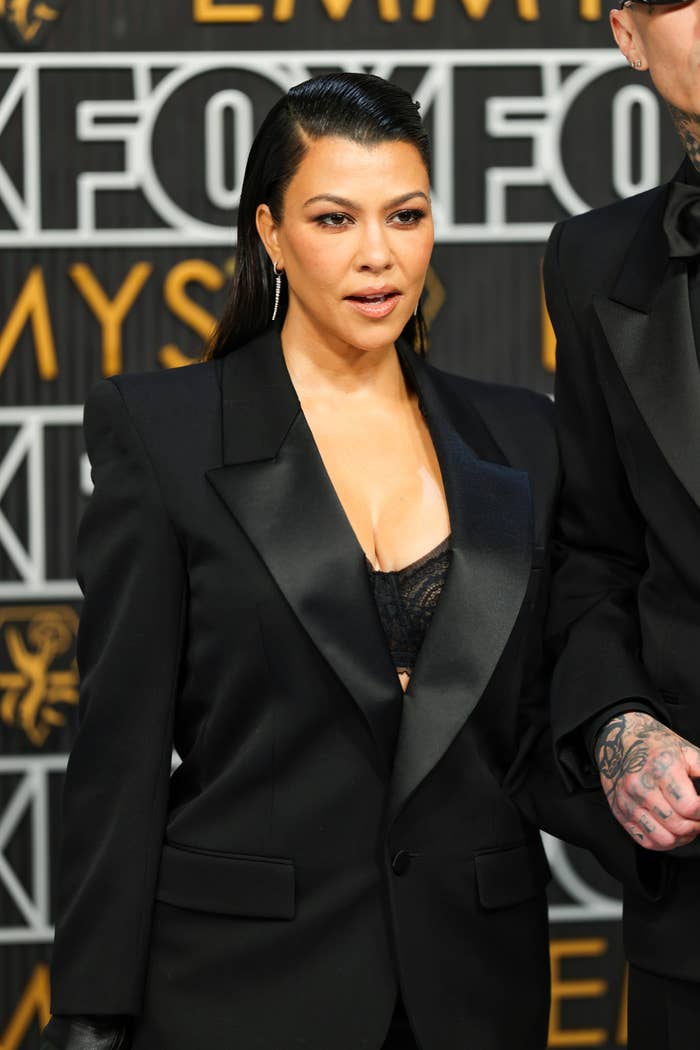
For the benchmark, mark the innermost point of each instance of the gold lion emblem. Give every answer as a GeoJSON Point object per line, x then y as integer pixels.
{"type": "Point", "coordinates": [28, 21]}
{"type": "Point", "coordinates": [40, 669]}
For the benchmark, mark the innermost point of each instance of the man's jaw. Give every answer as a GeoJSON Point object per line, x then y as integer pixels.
{"type": "Point", "coordinates": [688, 127]}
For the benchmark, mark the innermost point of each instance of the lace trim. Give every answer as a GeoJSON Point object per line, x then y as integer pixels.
{"type": "Point", "coordinates": [443, 546]}
{"type": "Point", "coordinates": [406, 600]}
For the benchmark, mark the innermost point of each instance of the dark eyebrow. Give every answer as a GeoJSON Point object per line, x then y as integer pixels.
{"type": "Point", "coordinates": [344, 203]}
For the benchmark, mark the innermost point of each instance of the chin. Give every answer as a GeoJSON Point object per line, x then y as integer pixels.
{"type": "Point", "coordinates": [376, 342]}
{"type": "Point", "coordinates": [377, 335]}
{"type": "Point", "coordinates": [687, 102]}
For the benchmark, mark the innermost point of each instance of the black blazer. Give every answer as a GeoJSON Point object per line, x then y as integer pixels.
{"type": "Point", "coordinates": [325, 839]}
{"type": "Point", "coordinates": [626, 599]}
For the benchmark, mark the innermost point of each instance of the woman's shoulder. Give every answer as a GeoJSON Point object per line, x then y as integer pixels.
{"type": "Point", "coordinates": [172, 393]}
{"type": "Point", "coordinates": [506, 403]}
{"type": "Point", "coordinates": [174, 414]}
{"type": "Point", "coordinates": [520, 420]}
{"type": "Point", "coordinates": [170, 399]}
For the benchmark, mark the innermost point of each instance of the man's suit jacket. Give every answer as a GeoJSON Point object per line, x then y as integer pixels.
{"type": "Point", "coordinates": [625, 612]}
{"type": "Point", "coordinates": [325, 839]}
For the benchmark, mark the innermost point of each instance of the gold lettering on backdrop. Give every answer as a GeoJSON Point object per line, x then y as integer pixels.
{"type": "Point", "coordinates": [184, 308]}
{"type": "Point", "coordinates": [28, 20]}
{"type": "Point", "coordinates": [527, 10]}
{"type": "Point", "coordinates": [210, 11]}
{"type": "Point", "coordinates": [591, 10]}
{"type": "Point", "coordinates": [31, 307]}
{"type": "Point", "coordinates": [34, 1005]}
{"type": "Point", "coordinates": [562, 989]}
{"type": "Point", "coordinates": [621, 1034]}
{"type": "Point", "coordinates": [549, 339]}
{"type": "Point", "coordinates": [33, 677]}
{"type": "Point", "coordinates": [389, 10]}
{"type": "Point", "coordinates": [110, 312]}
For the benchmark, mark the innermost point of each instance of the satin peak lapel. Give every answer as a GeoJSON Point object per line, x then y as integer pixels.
{"type": "Point", "coordinates": [656, 355]}
{"type": "Point", "coordinates": [491, 519]}
{"type": "Point", "coordinates": [275, 484]}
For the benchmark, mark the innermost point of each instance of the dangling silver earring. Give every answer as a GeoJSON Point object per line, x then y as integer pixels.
{"type": "Point", "coordinates": [278, 289]}
{"type": "Point", "coordinates": [415, 311]}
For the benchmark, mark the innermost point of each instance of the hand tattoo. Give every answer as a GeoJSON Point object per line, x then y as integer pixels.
{"type": "Point", "coordinates": [646, 824]}
{"type": "Point", "coordinates": [635, 743]}
{"type": "Point", "coordinates": [688, 127]}
{"type": "Point", "coordinates": [659, 766]}
{"type": "Point", "coordinates": [634, 832]}
{"type": "Point", "coordinates": [644, 770]}
{"type": "Point", "coordinates": [615, 760]}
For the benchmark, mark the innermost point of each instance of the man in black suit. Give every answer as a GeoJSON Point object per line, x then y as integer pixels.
{"type": "Point", "coordinates": [623, 289]}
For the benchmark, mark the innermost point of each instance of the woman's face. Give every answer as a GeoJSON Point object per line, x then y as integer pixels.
{"type": "Point", "coordinates": [354, 242]}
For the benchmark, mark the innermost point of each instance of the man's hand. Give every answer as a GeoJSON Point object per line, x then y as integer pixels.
{"type": "Point", "coordinates": [646, 771]}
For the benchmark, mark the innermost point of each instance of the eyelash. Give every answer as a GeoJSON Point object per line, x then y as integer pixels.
{"type": "Point", "coordinates": [416, 214]}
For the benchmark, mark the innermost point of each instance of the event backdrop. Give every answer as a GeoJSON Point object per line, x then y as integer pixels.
{"type": "Point", "coordinates": [124, 128]}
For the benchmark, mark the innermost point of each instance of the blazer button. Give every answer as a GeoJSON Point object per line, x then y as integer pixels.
{"type": "Point", "coordinates": [401, 862]}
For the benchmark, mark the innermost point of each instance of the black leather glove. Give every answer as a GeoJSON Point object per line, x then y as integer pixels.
{"type": "Point", "coordinates": [86, 1033]}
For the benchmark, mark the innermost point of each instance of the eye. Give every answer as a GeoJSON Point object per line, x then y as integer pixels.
{"type": "Point", "coordinates": [408, 216]}
{"type": "Point", "coordinates": [335, 219]}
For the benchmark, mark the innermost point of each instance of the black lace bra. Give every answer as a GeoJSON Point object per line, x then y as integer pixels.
{"type": "Point", "coordinates": [406, 602]}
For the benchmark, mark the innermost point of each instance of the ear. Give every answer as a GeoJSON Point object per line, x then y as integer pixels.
{"type": "Point", "coordinates": [628, 38]}
{"type": "Point", "coordinates": [268, 233]}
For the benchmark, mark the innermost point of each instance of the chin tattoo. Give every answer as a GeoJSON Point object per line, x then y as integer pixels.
{"type": "Point", "coordinates": [688, 127]}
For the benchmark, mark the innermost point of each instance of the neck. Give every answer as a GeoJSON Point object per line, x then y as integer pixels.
{"type": "Point", "coordinates": [321, 367]}
{"type": "Point", "coordinates": [688, 127]}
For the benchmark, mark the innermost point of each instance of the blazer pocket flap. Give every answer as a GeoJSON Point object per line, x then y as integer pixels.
{"type": "Point", "coordinates": [227, 883]}
{"type": "Point", "coordinates": [510, 876]}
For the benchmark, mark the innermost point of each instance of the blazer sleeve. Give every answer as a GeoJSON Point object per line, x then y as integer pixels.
{"type": "Point", "coordinates": [575, 814]}
{"type": "Point", "coordinates": [131, 570]}
{"type": "Point", "coordinates": [599, 549]}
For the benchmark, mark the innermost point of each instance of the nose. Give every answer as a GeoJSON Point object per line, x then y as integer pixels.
{"type": "Point", "coordinates": [374, 251]}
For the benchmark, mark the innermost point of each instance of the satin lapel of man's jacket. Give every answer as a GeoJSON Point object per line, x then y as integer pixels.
{"type": "Point", "coordinates": [274, 483]}
{"type": "Point", "coordinates": [648, 325]}
{"type": "Point", "coordinates": [491, 522]}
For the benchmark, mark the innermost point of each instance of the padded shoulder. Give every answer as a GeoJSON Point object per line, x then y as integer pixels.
{"type": "Point", "coordinates": [590, 248]}
{"type": "Point", "coordinates": [619, 219]}
{"type": "Point", "coordinates": [177, 416]}
{"type": "Point", "coordinates": [158, 395]}
{"type": "Point", "coordinates": [521, 423]}
{"type": "Point", "coordinates": [520, 420]}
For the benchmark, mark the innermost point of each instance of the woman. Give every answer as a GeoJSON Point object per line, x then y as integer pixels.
{"type": "Point", "coordinates": [313, 564]}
